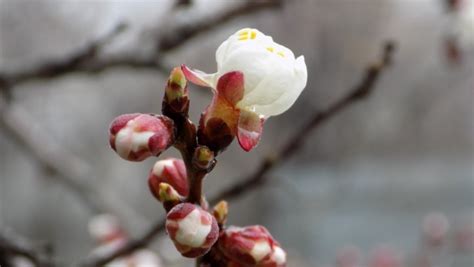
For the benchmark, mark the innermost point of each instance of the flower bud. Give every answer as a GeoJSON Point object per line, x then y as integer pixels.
{"type": "Point", "coordinates": [176, 99]}
{"type": "Point", "coordinates": [220, 212]}
{"type": "Point", "coordinates": [105, 228]}
{"type": "Point", "coordinates": [435, 228]}
{"type": "Point", "coordinates": [168, 196]}
{"type": "Point", "coordinates": [384, 256]}
{"type": "Point", "coordinates": [192, 229]}
{"type": "Point", "coordinates": [171, 171]}
{"type": "Point", "coordinates": [136, 137]}
{"type": "Point", "coordinates": [251, 245]}
{"type": "Point", "coordinates": [203, 157]}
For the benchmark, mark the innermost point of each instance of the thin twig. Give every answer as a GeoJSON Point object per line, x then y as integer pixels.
{"type": "Point", "coordinates": [86, 60]}
{"type": "Point", "coordinates": [360, 91]}
{"type": "Point", "coordinates": [179, 35]}
{"type": "Point", "coordinates": [14, 245]}
{"type": "Point", "coordinates": [55, 68]}
{"type": "Point", "coordinates": [66, 168]}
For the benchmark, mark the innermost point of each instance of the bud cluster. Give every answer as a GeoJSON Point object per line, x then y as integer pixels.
{"type": "Point", "coordinates": [196, 231]}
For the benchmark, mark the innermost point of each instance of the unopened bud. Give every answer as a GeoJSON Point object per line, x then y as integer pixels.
{"type": "Point", "coordinates": [171, 171]}
{"type": "Point", "coordinates": [252, 246]}
{"type": "Point", "coordinates": [192, 229]}
{"type": "Point", "coordinates": [435, 228]}
{"type": "Point", "coordinates": [168, 196]}
{"type": "Point", "coordinates": [220, 212]}
{"type": "Point", "coordinates": [203, 157]}
{"type": "Point", "coordinates": [384, 256]}
{"type": "Point", "coordinates": [137, 136]}
{"type": "Point", "coordinates": [348, 257]}
{"type": "Point", "coordinates": [105, 228]}
{"type": "Point", "coordinates": [176, 99]}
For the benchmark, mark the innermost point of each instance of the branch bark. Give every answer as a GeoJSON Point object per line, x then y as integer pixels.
{"type": "Point", "coordinates": [361, 91]}
{"type": "Point", "coordinates": [12, 245]}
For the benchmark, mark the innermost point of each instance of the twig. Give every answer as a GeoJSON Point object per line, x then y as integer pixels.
{"type": "Point", "coordinates": [86, 60]}
{"type": "Point", "coordinates": [181, 34]}
{"type": "Point", "coordinates": [66, 168]}
{"type": "Point", "coordinates": [14, 245]}
{"type": "Point", "coordinates": [76, 61]}
{"type": "Point", "coordinates": [361, 91]}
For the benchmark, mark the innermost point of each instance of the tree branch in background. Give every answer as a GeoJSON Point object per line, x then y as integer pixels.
{"type": "Point", "coordinates": [179, 35]}
{"type": "Point", "coordinates": [86, 60]}
{"type": "Point", "coordinates": [360, 91]}
{"type": "Point", "coordinates": [12, 245]}
{"type": "Point", "coordinates": [76, 61]}
{"type": "Point", "coordinates": [67, 169]}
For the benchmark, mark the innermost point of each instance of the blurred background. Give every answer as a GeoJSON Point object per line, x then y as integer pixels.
{"type": "Point", "coordinates": [378, 182]}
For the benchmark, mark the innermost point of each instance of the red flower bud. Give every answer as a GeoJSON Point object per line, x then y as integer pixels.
{"type": "Point", "coordinates": [251, 246]}
{"type": "Point", "coordinates": [192, 229]}
{"type": "Point", "coordinates": [136, 137]}
{"type": "Point", "coordinates": [171, 171]}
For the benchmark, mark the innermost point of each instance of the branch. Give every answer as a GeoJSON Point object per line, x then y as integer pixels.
{"type": "Point", "coordinates": [14, 245]}
{"type": "Point", "coordinates": [55, 68]}
{"type": "Point", "coordinates": [68, 169]}
{"type": "Point", "coordinates": [86, 60]}
{"type": "Point", "coordinates": [183, 33]}
{"type": "Point", "coordinates": [360, 91]}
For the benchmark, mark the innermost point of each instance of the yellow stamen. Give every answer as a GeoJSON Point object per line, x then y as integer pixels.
{"type": "Point", "coordinates": [270, 49]}
{"type": "Point", "coordinates": [281, 54]}
{"type": "Point", "coordinates": [253, 35]}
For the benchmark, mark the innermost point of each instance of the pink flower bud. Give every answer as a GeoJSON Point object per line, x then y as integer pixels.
{"type": "Point", "coordinates": [105, 228]}
{"type": "Point", "coordinates": [251, 245]}
{"type": "Point", "coordinates": [348, 257]}
{"type": "Point", "coordinates": [464, 236]}
{"type": "Point", "coordinates": [136, 137]}
{"type": "Point", "coordinates": [435, 228]}
{"type": "Point", "coordinates": [385, 256]}
{"type": "Point", "coordinates": [192, 229]}
{"type": "Point", "coordinates": [171, 171]}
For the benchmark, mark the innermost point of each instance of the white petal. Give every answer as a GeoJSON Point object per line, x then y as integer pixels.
{"type": "Point", "coordinates": [279, 91]}
{"type": "Point", "coordinates": [260, 250]}
{"type": "Point", "coordinates": [191, 231]}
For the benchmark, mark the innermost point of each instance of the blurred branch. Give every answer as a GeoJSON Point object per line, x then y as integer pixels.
{"type": "Point", "coordinates": [12, 245]}
{"type": "Point", "coordinates": [179, 35]}
{"type": "Point", "coordinates": [360, 91]}
{"type": "Point", "coordinates": [86, 60]}
{"type": "Point", "coordinates": [77, 61]}
{"type": "Point", "coordinates": [67, 169]}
